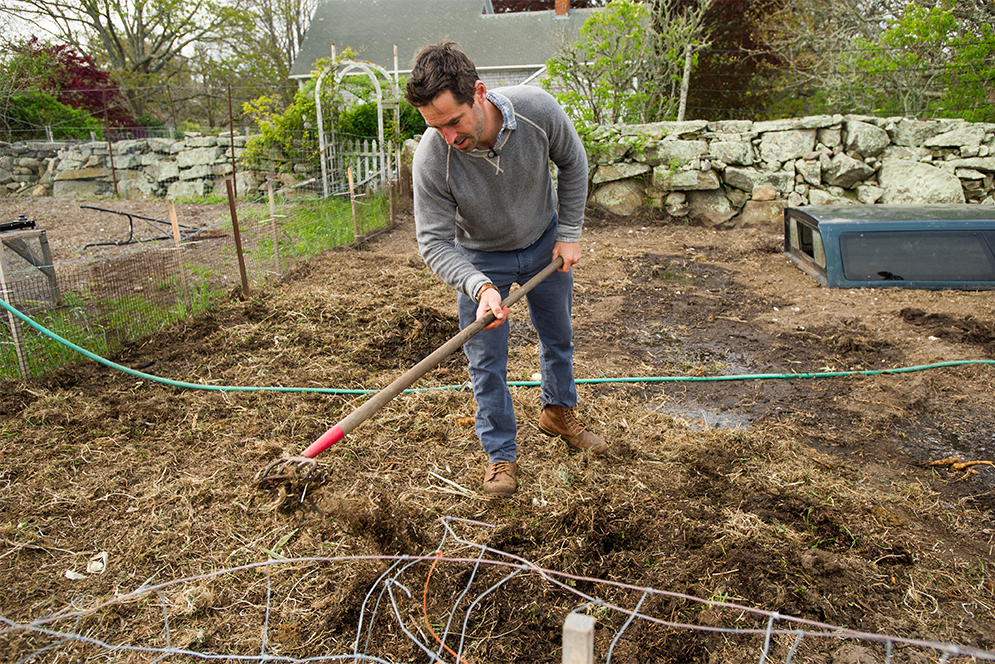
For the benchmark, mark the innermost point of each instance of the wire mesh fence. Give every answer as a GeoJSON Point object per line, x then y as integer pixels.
{"type": "Point", "coordinates": [441, 606]}
{"type": "Point", "coordinates": [131, 283]}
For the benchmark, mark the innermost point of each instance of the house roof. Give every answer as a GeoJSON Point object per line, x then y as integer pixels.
{"type": "Point", "coordinates": [493, 41]}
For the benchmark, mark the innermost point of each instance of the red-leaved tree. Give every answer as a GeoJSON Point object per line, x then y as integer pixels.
{"type": "Point", "coordinates": [74, 80]}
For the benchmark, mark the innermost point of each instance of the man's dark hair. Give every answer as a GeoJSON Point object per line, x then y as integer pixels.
{"type": "Point", "coordinates": [440, 67]}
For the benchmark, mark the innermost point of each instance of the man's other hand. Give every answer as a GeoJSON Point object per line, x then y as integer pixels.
{"type": "Point", "coordinates": [570, 252]}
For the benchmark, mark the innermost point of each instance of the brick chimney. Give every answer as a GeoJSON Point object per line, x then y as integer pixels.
{"type": "Point", "coordinates": [562, 7]}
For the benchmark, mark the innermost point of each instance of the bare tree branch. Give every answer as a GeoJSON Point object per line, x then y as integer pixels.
{"type": "Point", "coordinates": [139, 38]}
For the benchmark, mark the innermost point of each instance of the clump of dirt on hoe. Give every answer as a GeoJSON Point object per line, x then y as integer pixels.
{"type": "Point", "coordinates": [818, 498]}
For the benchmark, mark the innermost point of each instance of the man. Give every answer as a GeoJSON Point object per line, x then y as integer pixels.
{"type": "Point", "coordinates": [486, 217]}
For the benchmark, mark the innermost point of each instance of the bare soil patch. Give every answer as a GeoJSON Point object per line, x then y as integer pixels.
{"type": "Point", "coordinates": [814, 496]}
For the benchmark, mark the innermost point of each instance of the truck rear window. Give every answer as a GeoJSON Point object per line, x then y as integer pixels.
{"type": "Point", "coordinates": [918, 256]}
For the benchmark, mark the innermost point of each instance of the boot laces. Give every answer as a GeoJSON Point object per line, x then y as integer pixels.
{"type": "Point", "coordinates": [573, 424]}
{"type": "Point", "coordinates": [496, 469]}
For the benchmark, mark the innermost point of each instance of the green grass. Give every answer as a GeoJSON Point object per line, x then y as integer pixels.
{"type": "Point", "coordinates": [313, 226]}
{"type": "Point", "coordinates": [319, 225]}
{"type": "Point", "coordinates": [207, 199]}
{"type": "Point", "coordinates": [70, 321]}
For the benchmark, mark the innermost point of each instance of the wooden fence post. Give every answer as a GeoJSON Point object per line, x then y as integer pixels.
{"type": "Point", "coordinates": [352, 199]}
{"type": "Point", "coordinates": [578, 639]}
{"type": "Point", "coordinates": [390, 194]}
{"type": "Point", "coordinates": [272, 216]}
{"type": "Point", "coordinates": [179, 257]}
{"type": "Point", "coordinates": [7, 293]}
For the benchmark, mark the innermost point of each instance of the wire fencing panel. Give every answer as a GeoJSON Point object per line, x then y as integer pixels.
{"type": "Point", "coordinates": [143, 622]}
{"type": "Point", "coordinates": [293, 166]}
{"type": "Point", "coordinates": [107, 300]}
{"type": "Point", "coordinates": [114, 294]}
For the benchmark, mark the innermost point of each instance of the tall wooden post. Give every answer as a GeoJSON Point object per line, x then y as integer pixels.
{"type": "Point", "coordinates": [238, 238]}
{"type": "Point", "coordinates": [15, 323]}
{"type": "Point", "coordinates": [273, 226]}
{"type": "Point", "coordinates": [352, 199]}
{"type": "Point", "coordinates": [231, 140]}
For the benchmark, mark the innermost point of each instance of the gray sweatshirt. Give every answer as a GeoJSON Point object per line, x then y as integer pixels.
{"type": "Point", "coordinates": [501, 199]}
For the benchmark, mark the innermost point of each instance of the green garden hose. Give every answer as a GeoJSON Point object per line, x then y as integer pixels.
{"type": "Point", "coordinates": [584, 381]}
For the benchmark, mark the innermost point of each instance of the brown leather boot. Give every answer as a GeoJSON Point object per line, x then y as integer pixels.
{"type": "Point", "coordinates": [560, 421]}
{"type": "Point", "coordinates": [501, 479]}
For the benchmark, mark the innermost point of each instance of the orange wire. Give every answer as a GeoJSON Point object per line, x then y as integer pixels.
{"type": "Point", "coordinates": [424, 606]}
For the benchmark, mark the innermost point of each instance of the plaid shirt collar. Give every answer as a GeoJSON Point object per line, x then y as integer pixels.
{"type": "Point", "coordinates": [507, 113]}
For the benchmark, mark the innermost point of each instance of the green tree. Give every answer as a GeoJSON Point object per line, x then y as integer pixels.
{"type": "Point", "coordinates": [595, 75]}
{"type": "Point", "coordinates": [629, 63]}
{"type": "Point", "coordinates": [815, 41]}
{"type": "Point", "coordinates": [286, 135]}
{"type": "Point", "coordinates": [260, 56]}
{"type": "Point", "coordinates": [971, 78]}
{"type": "Point", "coordinates": [290, 135]}
{"type": "Point", "coordinates": [280, 26]}
{"type": "Point", "coordinates": [251, 62]}
{"type": "Point", "coordinates": [928, 61]}
{"type": "Point", "coordinates": [677, 30]}
{"type": "Point", "coordinates": [903, 70]}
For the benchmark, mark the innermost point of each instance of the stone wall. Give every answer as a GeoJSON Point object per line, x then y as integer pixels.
{"type": "Point", "coordinates": [723, 173]}
{"type": "Point", "coordinates": [24, 167]}
{"type": "Point", "coordinates": [195, 165]}
{"type": "Point", "coordinates": [731, 173]}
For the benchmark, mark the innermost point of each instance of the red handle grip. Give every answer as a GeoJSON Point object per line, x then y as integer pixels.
{"type": "Point", "coordinates": [327, 439]}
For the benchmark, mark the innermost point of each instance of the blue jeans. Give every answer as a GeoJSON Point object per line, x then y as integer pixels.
{"type": "Point", "coordinates": [550, 305]}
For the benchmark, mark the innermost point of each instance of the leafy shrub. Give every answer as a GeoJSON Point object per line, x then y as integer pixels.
{"type": "Point", "coordinates": [361, 120]}
{"type": "Point", "coordinates": [29, 112]}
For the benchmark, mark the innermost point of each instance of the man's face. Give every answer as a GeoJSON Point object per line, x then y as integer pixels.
{"type": "Point", "coordinates": [461, 125]}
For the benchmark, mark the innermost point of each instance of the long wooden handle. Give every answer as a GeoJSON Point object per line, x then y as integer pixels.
{"type": "Point", "coordinates": [408, 378]}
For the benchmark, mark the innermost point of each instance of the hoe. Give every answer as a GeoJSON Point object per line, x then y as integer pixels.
{"type": "Point", "coordinates": [298, 468]}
